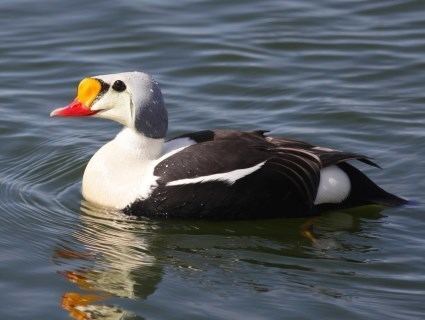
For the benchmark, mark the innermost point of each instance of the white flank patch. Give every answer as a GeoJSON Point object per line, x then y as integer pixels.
{"type": "Point", "coordinates": [334, 186]}
{"type": "Point", "coordinates": [229, 177]}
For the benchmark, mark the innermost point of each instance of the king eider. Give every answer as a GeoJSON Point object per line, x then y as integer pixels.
{"type": "Point", "coordinates": [220, 174]}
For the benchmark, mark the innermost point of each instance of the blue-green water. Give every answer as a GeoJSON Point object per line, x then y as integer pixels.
{"type": "Point", "coordinates": [345, 74]}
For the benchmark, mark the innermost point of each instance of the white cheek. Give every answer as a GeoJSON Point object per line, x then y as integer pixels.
{"type": "Point", "coordinates": [115, 106]}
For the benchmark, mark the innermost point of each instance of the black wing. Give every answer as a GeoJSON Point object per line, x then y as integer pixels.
{"type": "Point", "coordinates": [291, 176]}
{"type": "Point", "coordinates": [198, 136]}
{"type": "Point", "coordinates": [327, 156]}
{"type": "Point", "coordinates": [285, 184]}
{"type": "Point", "coordinates": [209, 135]}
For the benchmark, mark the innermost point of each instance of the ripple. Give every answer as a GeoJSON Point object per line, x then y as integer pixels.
{"type": "Point", "coordinates": [346, 74]}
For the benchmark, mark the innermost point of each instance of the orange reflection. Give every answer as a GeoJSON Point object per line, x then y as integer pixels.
{"type": "Point", "coordinates": [80, 306]}
{"type": "Point", "coordinates": [66, 253]}
{"type": "Point", "coordinates": [80, 280]}
{"type": "Point", "coordinates": [75, 302]}
{"type": "Point", "coordinates": [114, 260]}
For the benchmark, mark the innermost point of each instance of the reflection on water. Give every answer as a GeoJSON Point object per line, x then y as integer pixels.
{"type": "Point", "coordinates": [117, 261]}
{"type": "Point", "coordinates": [333, 224]}
{"type": "Point", "coordinates": [344, 74]}
{"type": "Point", "coordinates": [117, 256]}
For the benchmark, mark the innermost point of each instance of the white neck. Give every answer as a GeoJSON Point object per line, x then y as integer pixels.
{"type": "Point", "coordinates": [121, 171]}
{"type": "Point", "coordinates": [136, 144]}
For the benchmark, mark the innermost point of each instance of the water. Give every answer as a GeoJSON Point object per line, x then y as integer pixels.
{"type": "Point", "coordinates": [346, 74]}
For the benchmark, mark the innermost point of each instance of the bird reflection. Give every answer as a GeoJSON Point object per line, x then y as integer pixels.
{"type": "Point", "coordinates": [322, 231]}
{"type": "Point", "coordinates": [113, 256]}
{"type": "Point", "coordinates": [115, 252]}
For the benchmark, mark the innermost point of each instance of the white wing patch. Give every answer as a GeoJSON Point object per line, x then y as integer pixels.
{"type": "Point", "coordinates": [334, 186]}
{"type": "Point", "coordinates": [177, 144]}
{"type": "Point", "coordinates": [324, 149]}
{"type": "Point", "coordinates": [229, 177]}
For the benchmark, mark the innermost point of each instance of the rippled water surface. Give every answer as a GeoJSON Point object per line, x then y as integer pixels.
{"type": "Point", "coordinates": [345, 74]}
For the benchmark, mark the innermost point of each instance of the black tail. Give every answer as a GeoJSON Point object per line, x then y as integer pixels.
{"type": "Point", "coordinates": [364, 191]}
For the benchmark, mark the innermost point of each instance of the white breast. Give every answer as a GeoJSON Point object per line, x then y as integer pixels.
{"type": "Point", "coordinates": [122, 170]}
{"type": "Point", "coordinates": [334, 186]}
{"type": "Point", "coordinates": [114, 178]}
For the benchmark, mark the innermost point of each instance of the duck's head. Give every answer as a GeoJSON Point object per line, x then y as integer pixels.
{"type": "Point", "coordinates": [133, 99]}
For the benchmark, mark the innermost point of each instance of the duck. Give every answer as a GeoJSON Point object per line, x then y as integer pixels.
{"type": "Point", "coordinates": [210, 174]}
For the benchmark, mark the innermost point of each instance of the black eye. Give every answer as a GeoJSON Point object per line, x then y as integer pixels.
{"type": "Point", "coordinates": [119, 86]}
